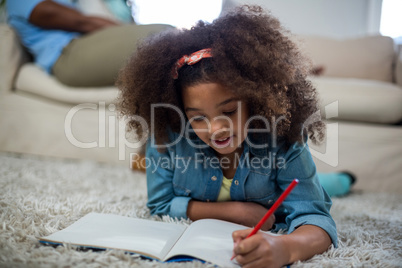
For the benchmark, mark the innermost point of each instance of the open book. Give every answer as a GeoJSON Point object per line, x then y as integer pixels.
{"type": "Point", "coordinates": [208, 240]}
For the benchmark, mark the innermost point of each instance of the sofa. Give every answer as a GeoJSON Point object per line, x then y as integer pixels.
{"type": "Point", "coordinates": [360, 95]}
{"type": "Point", "coordinates": [39, 115]}
{"type": "Point", "coordinates": [360, 92]}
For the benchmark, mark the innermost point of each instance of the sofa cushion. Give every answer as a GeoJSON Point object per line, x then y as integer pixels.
{"type": "Point", "coordinates": [366, 58]}
{"type": "Point", "coordinates": [33, 79]}
{"type": "Point", "coordinates": [361, 100]}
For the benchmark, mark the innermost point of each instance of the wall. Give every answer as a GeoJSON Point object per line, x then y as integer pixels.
{"type": "Point", "coordinates": [332, 18]}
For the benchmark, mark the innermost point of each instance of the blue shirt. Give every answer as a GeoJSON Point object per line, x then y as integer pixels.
{"type": "Point", "coordinates": [45, 45]}
{"type": "Point", "coordinates": [184, 172]}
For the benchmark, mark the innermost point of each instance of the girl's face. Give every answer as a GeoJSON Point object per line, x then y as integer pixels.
{"type": "Point", "coordinates": [217, 116]}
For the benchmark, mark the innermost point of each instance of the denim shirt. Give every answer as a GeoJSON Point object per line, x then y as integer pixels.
{"type": "Point", "coordinates": [183, 172]}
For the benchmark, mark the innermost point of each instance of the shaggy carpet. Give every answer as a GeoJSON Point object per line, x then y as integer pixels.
{"type": "Point", "coordinates": [39, 196]}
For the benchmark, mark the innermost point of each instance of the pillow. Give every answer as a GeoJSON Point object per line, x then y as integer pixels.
{"type": "Point", "coordinates": [365, 58]}
{"type": "Point", "coordinates": [12, 55]}
{"type": "Point", "coordinates": [398, 68]}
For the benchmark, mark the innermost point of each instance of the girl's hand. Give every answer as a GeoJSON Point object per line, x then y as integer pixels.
{"type": "Point", "coordinates": [250, 214]}
{"type": "Point", "coordinates": [259, 250]}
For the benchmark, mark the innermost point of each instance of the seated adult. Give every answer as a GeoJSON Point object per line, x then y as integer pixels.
{"type": "Point", "coordinates": [79, 50]}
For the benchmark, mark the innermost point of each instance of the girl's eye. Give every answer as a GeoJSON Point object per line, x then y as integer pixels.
{"type": "Point", "coordinates": [198, 118]}
{"type": "Point", "coordinates": [230, 112]}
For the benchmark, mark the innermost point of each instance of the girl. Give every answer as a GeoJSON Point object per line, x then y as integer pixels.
{"type": "Point", "coordinates": [225, 105]}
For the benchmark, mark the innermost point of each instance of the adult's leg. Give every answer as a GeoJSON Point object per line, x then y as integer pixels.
{"type": "Point", "coordinates": [95, 59]}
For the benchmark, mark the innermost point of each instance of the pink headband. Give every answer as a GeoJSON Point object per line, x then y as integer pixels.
{"type": "Point", "coordinates": [190, 60]}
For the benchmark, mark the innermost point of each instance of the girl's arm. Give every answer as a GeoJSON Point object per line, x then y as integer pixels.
{"type": "Point", "coordinates": [245, 213]}
{"type": "Point", "coordinates": [264, 250]}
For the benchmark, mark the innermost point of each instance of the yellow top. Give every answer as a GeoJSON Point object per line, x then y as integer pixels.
{"type": "Point", "coordinates": [224, 194]}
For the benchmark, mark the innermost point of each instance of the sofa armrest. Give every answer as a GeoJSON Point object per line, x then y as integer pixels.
{"type": "Point", "coordinates": [398, 67]}
{"type": "Point", "coordinates": [12, 56]}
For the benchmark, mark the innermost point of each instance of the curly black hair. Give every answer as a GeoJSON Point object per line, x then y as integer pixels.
{"type": "Point", "coordinates": [252, 55]}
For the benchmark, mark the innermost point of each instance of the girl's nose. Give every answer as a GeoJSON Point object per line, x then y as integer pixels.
{"type": "Point", "coordinates": [219, 124]}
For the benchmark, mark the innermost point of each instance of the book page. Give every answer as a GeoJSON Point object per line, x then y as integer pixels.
{"type": "Point", "coordinates": [149, 238]}
{"type": "Point", "coordinates": [209, 240]}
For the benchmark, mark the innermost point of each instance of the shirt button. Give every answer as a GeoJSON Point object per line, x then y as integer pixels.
{"type": "Point", "coordinates": [270, 202]}
{"type": "Point", "coordinates": [236, 182]}
{"type": "Point", "coordinates": [214, 178]}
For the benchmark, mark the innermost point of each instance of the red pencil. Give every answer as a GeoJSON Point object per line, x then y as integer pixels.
{"type": "Point", "coordinates": [272, 209]}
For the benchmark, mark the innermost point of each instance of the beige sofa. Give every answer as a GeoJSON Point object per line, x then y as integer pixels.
{"type": "Point", "coordinates": [360, 91]}
{"type": "Point", "coordinates": [39, 115]}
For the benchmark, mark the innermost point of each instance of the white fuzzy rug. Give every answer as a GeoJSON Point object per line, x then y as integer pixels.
{"type": "Point", "coordinates": [39, 196]}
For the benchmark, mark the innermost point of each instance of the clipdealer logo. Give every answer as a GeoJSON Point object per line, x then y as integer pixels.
{"type": "Point", "coordinates": [330, 156]}
{"type": "Point", "coordinates": [112, 130]}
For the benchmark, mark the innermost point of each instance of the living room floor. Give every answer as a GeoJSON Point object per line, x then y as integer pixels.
{"type": "Point", "coordinates": [41, 195]}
